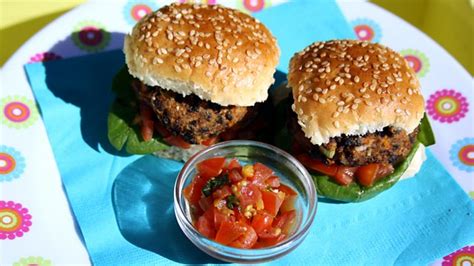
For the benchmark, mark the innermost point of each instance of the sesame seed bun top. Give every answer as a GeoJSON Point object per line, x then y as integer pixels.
{"type": "Point", "coordinates": [219, 54]}
{"type": "Point", "coordinates": [353, 88]}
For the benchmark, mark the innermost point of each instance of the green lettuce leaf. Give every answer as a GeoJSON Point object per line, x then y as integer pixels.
{"type": "Point", "coordinates": [426, 136]}
{"type": "Point", "coordinates": [122, 133]}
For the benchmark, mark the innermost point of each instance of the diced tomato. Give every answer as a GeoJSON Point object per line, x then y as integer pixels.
{"type": "Point", "coordinates": [261, 173]}
{"type": "Point", "coordinates": [272, 201]}
{"type": "Point", "coordinates": [240, 217]}
{"type": "Point", "coordinates": [317, 165]}
{"type": "Point", "coordinates": [273, 182]}
{"type": "Point", "coordinates": [210, 141]}
{"type": "Point", "coordinates": [235, 176]}
{"type": "Point", "coordinates": [284, 219]}
{"type": "Point", "coordinates": [270, 241]}
{"type": "Point", "coordinates": [288, 190]}
{"type": "Point", "coordinates": [147, 122]}
{"type": "Point", "coordinates": [247, 240]}
{"type": "Point", "coordinates": [205, 227]}
{"type": "Point", "coordinates": [234, 164]}
{"type": "Point", "coordinates": [344, 175]}
{"type": "Point", "coordinates": [249, 195]}
{"type": "Point", "coordinates": [193, 191]}
{"type": "Point", "coordinates": [219, 218]}
{"type": "Point", "coordinates": [229, 232]}
{"type": "Point", "coordinates": [270, 233]}
{"type": "Point", "coordinates": [211, 167]}
{"type": "Point", "coordinates": [205, 203]}
{"type": "Point", "coordinates": [222, 192]}
{"type": "Point", "coordinates": [261, 221]}
{"type": "Point", "coordinates": [289, 203]}
{"type": "Point", "coordinates": [177, 141]}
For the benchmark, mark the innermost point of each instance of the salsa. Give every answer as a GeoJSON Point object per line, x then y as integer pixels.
{"type": "Point", "coordinates": [242, 206]}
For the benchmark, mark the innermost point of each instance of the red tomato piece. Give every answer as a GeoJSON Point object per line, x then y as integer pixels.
{"type": "Point", "coordinates": [287, 190]}
{"type": "Point", "coordinates": [367, 174]}
{"type": "Point", "coordinates": [193, 191]}
{"type": "Point", "coordinates": [261, 173]}
{"type": "Point", "coordinates": [261, 221]}
{"type": "Point", "coordinates": [219, 218]}
{"type": "Point", "coordinates": [317, 165]}
{"type": "Point", "coordinates": [205, 203]}
{"type": "Point", "coordinates": [229, 232]}
{"type": "Point", "coordinates": [249, 195]}
{"type": "Point", "coordinates": [270, 233]}
{"type": "Point", "coordinates": [210, 141]}
{"type": "Point", "coordinates": [235, 176]}
{"type": "Point", "coordinates": [147, 122]}
{"type": "Point", "coordinates": [384, 170]}
{"type": "Point", "coordinates": [247, 240]}
{"type": "Point", "coordinates": [177, 141]}
{"type": "Point", "coordinates": [270, 241]}
{"type": "Point", "coordinates": [289, 203]}
{"type": "Point", "coordinates": [273, 182]}
{"type": "Point", "coordinates": [344, 175]}
{"type": "Point", "coordinates": [283, 219]}
{"type": "Point", "coordinates": [272, 202]}
{"type": "Point", "coordinates": [211, 167]}
{"type": "Point", "coordinates": [234, 164]}
{"type": "Point", "coordinates": [205, 227]}
{"type": "Point", "coordinates": [222, 193]}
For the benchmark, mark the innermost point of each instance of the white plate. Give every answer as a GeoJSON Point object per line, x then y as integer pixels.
{"type": "Point", "coordinates": [36, 184]}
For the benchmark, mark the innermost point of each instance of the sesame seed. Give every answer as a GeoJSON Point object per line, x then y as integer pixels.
{"type": "Point", "coordinates": [322, 100]}
{"type": "Point", "coordinates": [325, 91]}
{"type": "Point", "coordinates": [333, 87]}
{"type": "Point", "coordinates": [177, 68]}
{"type": "Point", "coordinates": [335, 114]}
{"type": "Point", "coordinates": [315, 97]}
{"type": "Point", "coordinates": [356, 79]}
{"type": "Point", "coordinates": [336, 124]}
{"type": "Point", "coordinates": [398, 110]}
{"type": "Point", "coordinates": [303, 99]}
{"type": "Point", "coordinates": [354, 106]}
{"type": "Point", "coordinates": [357, 101]}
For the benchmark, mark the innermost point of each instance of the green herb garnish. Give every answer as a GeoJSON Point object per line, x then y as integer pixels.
{"type": "Point", "coordinates": [232, 202]}
{"type": "Point", "coordinates": [214, 184]}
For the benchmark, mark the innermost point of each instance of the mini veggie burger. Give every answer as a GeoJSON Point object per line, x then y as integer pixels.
{"type": "Point", "coordinates": [358, 117]}
{"type": "Point", "coordinates": [199, 72]}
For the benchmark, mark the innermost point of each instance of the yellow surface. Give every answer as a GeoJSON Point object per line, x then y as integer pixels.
{"type": "Point", "coordinates": [449, 22]}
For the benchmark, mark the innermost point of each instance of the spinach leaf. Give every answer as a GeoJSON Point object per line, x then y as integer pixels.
{"type": "Point", "coordinates": [122, 133]}
{"type": "Point", "coordinates": [215, 183]}
{"type": "Point", "coordinates": [426, 135]}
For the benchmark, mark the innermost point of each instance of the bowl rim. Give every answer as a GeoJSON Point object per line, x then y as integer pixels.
{"type": "Point", "coordinates": [304, 176]}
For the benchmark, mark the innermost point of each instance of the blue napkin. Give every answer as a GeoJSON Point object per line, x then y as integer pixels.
{"type": "Point", "coordinates": [123, 204]}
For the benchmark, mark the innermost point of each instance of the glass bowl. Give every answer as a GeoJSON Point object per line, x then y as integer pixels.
{"type": "Point", "coordinates": [291, 173]}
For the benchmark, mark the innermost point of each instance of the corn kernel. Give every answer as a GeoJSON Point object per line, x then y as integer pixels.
{"type": "Point", "coordinates": [278, 231]}
{"type": "Point", "coordinates": [248, 214]}
{"type": "Point", "coordinates": [234, 188]}
{"type": "Point", "coordinates": [260, 205]}
{"type": "Point", "coordinates": [247, 171]}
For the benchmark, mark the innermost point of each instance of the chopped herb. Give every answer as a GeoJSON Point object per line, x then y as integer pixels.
{"type": "Point", "coordinates": [214, 184]}
{"type": "Point", "coordinates": [232, 201]}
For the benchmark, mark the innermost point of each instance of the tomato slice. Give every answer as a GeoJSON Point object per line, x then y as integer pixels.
{"type": "Point", "coordinates": [261, 173]}
{"type": "Point", "coordinates": [261, 221]}
{"type": "Point", "coordinates": [210, 141]}
{"type": "Point", "coordinates": [367, 174]}
{"type": "Point", "coordinates": [317, 165]}
{"type": "Point", "coordinates": [247, 240]}
{"type": "Point", "coordinates": [384, 170]}
{"type": "Point", "coordinates": [219, 218]}
{"type": "Point", "coordinates": [162, 130]}
{"type": "Point", "coordinates": [344, 175]}
{"type": "Point", "coordinates": [205, 227]}
{"type": "Point", "coordinates": [272, 201]}
{"type": "Point", "coordinates": [273, 182]}
{"type": "Point", "coordinates": [249, 195]}
{"type": "Point", "coordinates": [147, 122]}
{"type": "Point", "coordinates": [230, 231]}
{"type": "Point", "coordinates": [284, 218]}
{"type": "Point", "coordinates": [211, 167]}
{"type": "Point", "coordinates": [177, 141]}
{"type": "Point", "coordinates": [262, 243]}
{"type": "Point", "coordinates": [235, 176]}
{"type": "Point", "coordinates": [234, 164]}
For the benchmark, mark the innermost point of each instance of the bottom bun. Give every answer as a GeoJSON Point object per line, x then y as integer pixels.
{"type": "Point", "coordinates": [415, 164]}
{"type": "Point", "coordinates": [179, 154]}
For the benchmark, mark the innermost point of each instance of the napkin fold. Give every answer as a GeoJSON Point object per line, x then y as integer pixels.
{"type": "Point", "coordinates": [123, 204]}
